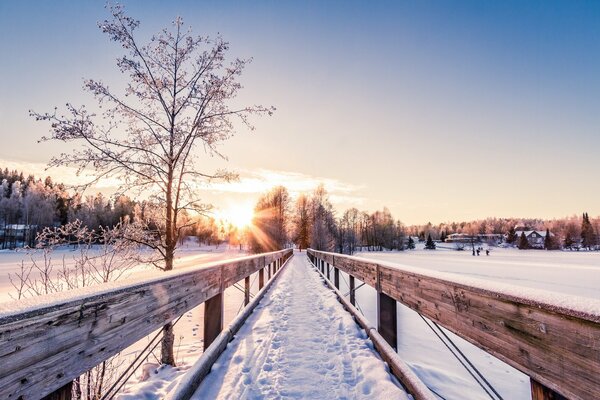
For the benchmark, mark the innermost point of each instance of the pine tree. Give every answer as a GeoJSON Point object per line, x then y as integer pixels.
{"type": "Point", "coordinates": [549, 241]}
{"type": "Point", "coordinates": [430, 245]}
{"type": "Point", "coordinates": [523, 242]}
{"type": "Point", "coordinates": [568, 242]}
{"type": "Point", "coordinates": [411, 243]}
{"type": "Point", "coordinates": [587, 232]}
{"type": "Point", "coordinates": [512, 235]}
{"type": "Point", "coordinates": [443, 236]}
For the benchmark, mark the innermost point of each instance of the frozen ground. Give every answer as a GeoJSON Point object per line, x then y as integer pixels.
{"type": "Point", "coordinates": [299, 343]}
{"type": "Point", "coordinates": [574, 273]}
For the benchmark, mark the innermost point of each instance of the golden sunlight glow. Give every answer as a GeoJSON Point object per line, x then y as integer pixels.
{"type": "Point", "coordinates": [239, 215]}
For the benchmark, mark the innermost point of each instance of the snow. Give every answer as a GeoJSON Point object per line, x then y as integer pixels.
{"type": "Point", "coordinates": [138, 276]}
{"type": "Point", "coordinates": [299, 343]}
{"type": "Point", "coordinates": [553, 276]}
{"type": "Point", "coordinates": [188, 331]}
{"type": "Point", "coordinates": [570, 280]}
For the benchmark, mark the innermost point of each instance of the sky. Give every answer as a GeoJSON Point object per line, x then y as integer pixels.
{"type": "Point", "coordinates": [439, 110]}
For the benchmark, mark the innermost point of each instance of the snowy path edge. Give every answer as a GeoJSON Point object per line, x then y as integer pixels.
{"type": "Point", "coordinates": [201, 368]}
{"type": "Point", "coordinates": [416, 387]}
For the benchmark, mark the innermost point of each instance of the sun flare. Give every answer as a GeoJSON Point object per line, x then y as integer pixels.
{"type": "Point", "coordinates": [240, 215]}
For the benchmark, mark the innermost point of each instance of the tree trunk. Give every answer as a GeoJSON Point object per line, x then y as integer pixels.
{"type": "Point", "coordinates": [168, 340]}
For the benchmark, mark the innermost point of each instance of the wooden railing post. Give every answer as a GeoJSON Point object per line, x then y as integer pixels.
{"type": "Point", "coordinates": [64, 393]}
{"type": "Point", "coordinates": [261, 278]}
{"type": "Point", "coordinates": [336, 277]}
{"type": "Point", "coordinates": [387, 323]}
{"type": "Point", "coordinates": [327, 265]}
{"type": "Point", "coordinates": [246, 290]}
{"type": "Point", "coordinates": [541, 392]}
{"type": "Point", "coordinates": [213, 319]}
{"type": "Point", "coordinates": [352, 291]}
{"type": "Point", "coordinates": [269, 271]}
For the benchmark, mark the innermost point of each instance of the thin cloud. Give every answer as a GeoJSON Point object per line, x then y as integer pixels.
{"type": "Point", "coordinates": [262, 180]}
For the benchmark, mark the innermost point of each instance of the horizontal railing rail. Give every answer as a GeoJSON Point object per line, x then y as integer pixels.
{"type": "Point", "coordinates": [557, 344]}
{"type": "Point", "coordinates": [55, 340]}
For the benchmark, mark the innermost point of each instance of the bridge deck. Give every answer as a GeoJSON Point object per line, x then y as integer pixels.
{"type": "Point", "coordinates": [299, 343]}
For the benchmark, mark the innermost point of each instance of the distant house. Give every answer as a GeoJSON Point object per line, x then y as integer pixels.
{"type": "Point", "coordinates": [480, 238]}
{"type": "Point", "coordinates": [17, 235]}
{"type": "Point", "coordinates": [535, 238]}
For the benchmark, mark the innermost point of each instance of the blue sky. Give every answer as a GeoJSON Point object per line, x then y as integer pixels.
{"type": "Point", "coordinates": [440, 110]}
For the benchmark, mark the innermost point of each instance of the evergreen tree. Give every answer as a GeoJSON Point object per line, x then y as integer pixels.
{"type": "Point", "coordinates": [523, 242]}
{"type": "Point", "coordinates": [443, 236]}
{"type": "Point", "coordinates": [512, 235]}
{"type": "Point", "coordinates": [568, 242]}
{"type": "Point", "coordinates": [587, 232]}
{"type": "Point", "coordinates": [549, 243]}
{"type": "Point", "coordinates": [411, 243]}
{"type": "Point", "coordinates": [430, 244]}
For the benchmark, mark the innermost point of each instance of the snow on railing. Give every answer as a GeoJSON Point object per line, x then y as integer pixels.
{"type": "Point", "coordinates": [554, 339]}
{"type": "Point", "coordinates": [49, 341]}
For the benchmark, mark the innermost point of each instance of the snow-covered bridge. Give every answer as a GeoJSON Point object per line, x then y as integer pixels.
{"type": "Point", "coordinates": [299, 341]}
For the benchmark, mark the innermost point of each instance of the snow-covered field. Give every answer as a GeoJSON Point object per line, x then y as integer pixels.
{"type": "Point", "coordinates": [573, 273]}
{"type": "Point", "coordinates": [188, 331]}
{"type": "Point", "coordinates": [299, 343]}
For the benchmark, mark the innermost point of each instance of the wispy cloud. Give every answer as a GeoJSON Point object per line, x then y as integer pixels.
{"type": "Point", "coordinates": [261, 180]}
{"type": "Point", "coordinates": [251, 182]}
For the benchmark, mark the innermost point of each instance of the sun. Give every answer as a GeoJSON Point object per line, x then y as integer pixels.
{"type": "Point", "coordinates": [239, 215]}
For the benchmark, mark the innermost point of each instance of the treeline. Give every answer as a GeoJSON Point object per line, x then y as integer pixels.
{"type": "Point", "coordinates": [29, 204]}
{"type": "Point", "coordinates": [311, 221]}
{"type": "Point", "coordinates": [576, 231]}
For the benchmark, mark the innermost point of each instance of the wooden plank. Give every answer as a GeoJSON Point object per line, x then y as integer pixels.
{"type": "Point", "coordinates": [387, 319]}
{"type": "Point", "coordinates": [246, 290]}
{"type": "Point", "coordinates": [364, 271]}
{"type": "Point", "coordinates": [213, 319]}
{"type": "Point", "coordinates": [336, 277]}
{"type": "Point", "coordinates": [64, 393]}
{"type": "Point", "coordinates": [558, 350]}
{"type": "Point", "coordinates": [352, 291]}
{"type": "Point", "coordinates": [46, 347]}
{"type": "Point", "coordinates": [261, 278]}
{"type": "Point", "coordinates": [556, 346]}
{"type": "Point", "coordinates": [541, 392]}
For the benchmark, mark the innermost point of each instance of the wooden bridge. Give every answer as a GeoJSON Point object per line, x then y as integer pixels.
{"type": "Point", "coordinates": [46, 345]}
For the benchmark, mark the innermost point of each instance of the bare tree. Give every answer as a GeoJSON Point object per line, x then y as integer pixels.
{"type": "Point", "coordinates": [177, 99]}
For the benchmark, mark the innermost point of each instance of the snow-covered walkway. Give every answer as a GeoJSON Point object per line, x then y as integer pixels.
{"type": "Point", "coordinates": [300, 343]}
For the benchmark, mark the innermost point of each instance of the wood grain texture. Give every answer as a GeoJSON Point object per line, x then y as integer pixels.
{"type": "Point", "coordinates": [557, 347]}
{"type": "Point", "coordinates": [45, 348]}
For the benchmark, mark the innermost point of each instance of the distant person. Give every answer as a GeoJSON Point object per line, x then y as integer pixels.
{"type": "Point", "coordinates": [487, 252]}
{"type": "Point", "coordinates": [478, 251]}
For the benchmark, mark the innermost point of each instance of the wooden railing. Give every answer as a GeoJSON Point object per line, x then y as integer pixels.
{"type": "Point", "coordinates": [558, 347]}
{"type": "Point", "coordinates": [45, 347]}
